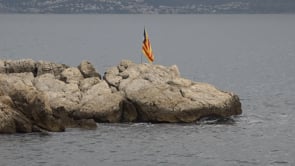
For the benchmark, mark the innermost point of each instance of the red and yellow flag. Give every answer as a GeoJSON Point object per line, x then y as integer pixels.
{"type": "Point", "coordinates": [147, 47]}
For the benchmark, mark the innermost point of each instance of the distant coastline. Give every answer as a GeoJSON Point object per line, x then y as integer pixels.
{"type": "Point", "coordinates": [148, 7]}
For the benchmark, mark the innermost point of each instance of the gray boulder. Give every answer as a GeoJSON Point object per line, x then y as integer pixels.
{"type": "Point", "coordinates": [37, 96]}
{"type": "Point", "coordinates": [100, 104]}
{"type": "Point", "coordinates": [17, 66]}
{"type": "Point", "coordinates": [44, 67]}
{"type": "Point", "coordinates": [29, 65]}
{"type": "Point", "coordinates": [59, 93]}
{"type": "Point", "coordinates": [159, 94]}
{"type": "Point", "coordinates": [63, 98]}
{"type": "Point", "coordinates": [71, 75]}
{"type": "Point", "coordinates": [27, 100]}
{"type": "Point", "coordinates": [2, 66]}
{"type": "Point", "coordinates": [102, 108]}
{"type": "Point", "coordinates": [12, 121]}
{"type": "Point", "coordinates": [88, 70]}
{"type": "Point", "coordinates": [87, 83]}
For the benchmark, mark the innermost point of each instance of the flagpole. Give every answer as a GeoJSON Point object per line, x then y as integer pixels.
{"type": "Point", "coordinates": [141, 53]}
{"type": "Point", "coordinates": [140, 58]}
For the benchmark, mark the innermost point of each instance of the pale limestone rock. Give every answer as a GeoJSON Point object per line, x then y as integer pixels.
{"type": "Point", "coordinates": [27, 100]}
{"type": "Point", "coordinates": [87, 83]}
{"type": "Point", "coordinates": [102, 108]}
{"type": "Point", "coordinates": [159, 94]}
{"type": "Point", "coordinates": [45, 95]}
{"type": "Point", "coordinates": [60, 94]}
{"type": "Point", "coordinates": [44, 67]}
{"type": "Point", "coordinates": [64, 99]}
{"type": "Point", "coordinates": [2, 66]}
{"type": "Point", "coordinates": [100, 104]}
{"type": "Point", "coordinates": [71, 75]}
{"type": "Point", "coordinates": [29, 65]}
{"type": "Point", "coordinates": [112, 76]}
{"type": "Point", "coordinates": [12, 121]}
{"type": "Point", "coordinates": [96, 90]}
{"type": "Point", "coordinates": [166, 103]}
{"type": "Point", "coordinates": [88, 70]}
{"type": "Point", "coordinates": [19, 66]}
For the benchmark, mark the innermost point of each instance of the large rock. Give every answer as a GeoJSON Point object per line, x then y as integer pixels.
{"type": "Point", "coordinates": [71, 75]}
{"type": "Point", "coordinates": [88, 70]}
{"type": "Point", "coordinates": [44, 67]}
{"type": "Point", "coordinates": [99, 89]}
{"type": "Point", "coordinates": [100, 104]}
{"type": "Point", "coordinates": [27, 100]}
{"type": "Point", "coordinates": [170, 103]}
{"type": "Point", "coordinates": [102, 108]}
{"type": "Point", "coordinates": [36, 96]}
{"type": "Point", "coordinates": [12, 121]}
{"type": "Point", "coordinates": [2, 66]}
{"type": "Point", "coordinates": [29, 65]}
{"type": "Point", "coordinates": [120, 75]}
{"type": "Point", "coordinates": [87, 83]}
{"type": "Point", "coordinates": [60, 94]}
{"type": "Point", "coordinates": [63, 98]}
{"type": "Point", "coordinates": [159, 94]}
{"type": "Point", "coordinates": [18, 66]}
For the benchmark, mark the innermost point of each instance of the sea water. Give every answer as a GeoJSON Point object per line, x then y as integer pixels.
{"type": "Point", "coordinates": [250, 55]}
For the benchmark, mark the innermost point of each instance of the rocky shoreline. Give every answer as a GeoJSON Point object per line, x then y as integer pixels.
{"type": "Point", "coordinates": [46, 96]}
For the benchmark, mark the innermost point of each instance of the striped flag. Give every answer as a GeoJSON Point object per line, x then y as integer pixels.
{"type": "Point", "coordinates": [147, 48]}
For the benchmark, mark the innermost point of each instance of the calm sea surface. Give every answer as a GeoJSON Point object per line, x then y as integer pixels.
{"type": "Point", "coordinates": [251, 55]}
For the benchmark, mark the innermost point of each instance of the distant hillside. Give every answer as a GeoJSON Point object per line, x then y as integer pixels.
{"type": "Point", "coordinates": [147, 6]}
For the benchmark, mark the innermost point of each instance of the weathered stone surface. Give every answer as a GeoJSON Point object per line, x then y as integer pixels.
{"type": "Point", "coordinates": [98, 89]}
{"type": "Point", "coordinates": [159, 94]}
{"type": "Point", "coordinates": [87, 83]}
{"type": "Point", "coordinates": [71, 75]}
{"type": "Point", "coordinates": [61, 96]}
{"type": "Point", "coordinates": [12, 121]}
{"type": "Point", "coordinates": [129, 112]}
{"type": "Point", "coordinates": [28, 100]}
{"type": "Point", "coordinates": [100, 104]}
{"type": "Point", "coordinates": [164, 103]}
{"type": "Point", "coordinates": [29, 65]}
{"type": "Point", "coordinates": [18, 66]}
{"type": "Point", "coordinates": [121, 75]}
{"type": "Point", "coordinates": [64, 98]}
{"type": "Point", "coordinates": [102, 108]}
{"type": "Point", "coordinates": [2, 66]}
{"type": "Point", "coordinates": [88, 70]}
{"type": "Point", "coordinates": [112, 77]}
{"type": "Point", "coordinates": [38, 96]}
{"type": "Point", "coordinates": [44, 67]}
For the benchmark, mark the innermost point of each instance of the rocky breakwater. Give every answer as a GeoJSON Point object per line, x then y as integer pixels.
{"type": "Point", "coordinates": [39, 95]}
